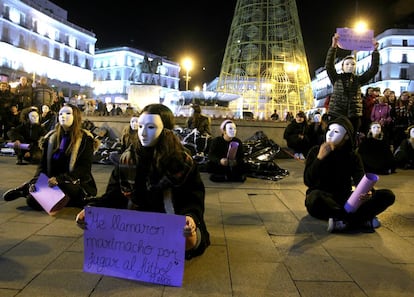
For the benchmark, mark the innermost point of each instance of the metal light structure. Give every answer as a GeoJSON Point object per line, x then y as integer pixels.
{"type": "Point", "coordinates": [265, 60]}
{"type": "Point", "coordinates": [188, 65]}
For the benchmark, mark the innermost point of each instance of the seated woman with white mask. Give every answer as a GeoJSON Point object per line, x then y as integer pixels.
{"type": "Point", "coordinates": [226, 156]}
{"type": "Point", "coordinates": [66, 161]}
{"type": "Point", "coordinates": [376, 152]}
{"type": "Point", "coordinates": [331, 170]}
{"type": "Point", "coordinates": [159, 175]}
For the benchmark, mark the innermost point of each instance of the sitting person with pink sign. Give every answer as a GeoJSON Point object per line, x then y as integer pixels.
{"type": "Point", "coordinates": [331, 170]}
{"type": "Point", "coordinates": [66, 161]}
{"type": "Point", "coordinates": [159, 175]}
{"type": "Point", "coordinates": [226, 156]}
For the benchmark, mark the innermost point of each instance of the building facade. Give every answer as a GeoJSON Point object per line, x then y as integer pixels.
{"type": "Point", "coordinates": [37, 40]}
{"type": "Point", "coordinates": [117, 70]}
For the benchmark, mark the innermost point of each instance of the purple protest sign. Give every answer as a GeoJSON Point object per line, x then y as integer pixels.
{"type": "Point", "coordinates": [136, 245]}
{"type": "Point", "coordinates": [351, 39]}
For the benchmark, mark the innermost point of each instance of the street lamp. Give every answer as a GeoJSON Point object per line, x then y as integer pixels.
{"type": "Point", "coordinates": [188, 65]}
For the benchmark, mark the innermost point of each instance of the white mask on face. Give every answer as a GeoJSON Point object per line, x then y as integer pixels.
{"type": "Point", "coordinates": [66, 117]}
{"type": "Point", "coordinates": [317, 118]}
{"type": "Point", "coordinates": [375, 130]}
{"type": "Point", "coordinates": [45, 109]}
{"type": "Point", "coordinates": [149, 129]}
{"type": "Point", "coordinates": [133, 123]}
{"type": "Point", "coordinates": [33, 117]}
{"type": "Point", "coordinates": [335, 134]}
{"type": "Point", "coordinates": [349, 66]}
{"type": "Point", "coordinates": [412, 133]}
{"type": "Point", "coordinates": [231, 130]}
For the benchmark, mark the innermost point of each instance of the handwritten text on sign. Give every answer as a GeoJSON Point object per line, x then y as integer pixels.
{"type": "Point", "coordinates": [351, 39]}
{"type": "Point", "coordinates": [136, 245]}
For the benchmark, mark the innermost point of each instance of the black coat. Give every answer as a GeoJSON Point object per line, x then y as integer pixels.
{"type": "Point", "coordinates": [346, 98]}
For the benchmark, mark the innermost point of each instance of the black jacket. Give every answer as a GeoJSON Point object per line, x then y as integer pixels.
{"type": "Point", "coordinates": [346, 98]}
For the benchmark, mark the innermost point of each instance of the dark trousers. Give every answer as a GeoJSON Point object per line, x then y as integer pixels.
{"type": "Point", "coordinates": [322, 205]}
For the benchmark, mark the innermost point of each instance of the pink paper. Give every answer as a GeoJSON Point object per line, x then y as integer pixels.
{"type": "Point", "coordinates": [51, 199]}
{"type": "Point", "coordinates": [364, 186]}
{"type": "Point", "coordinates": [231, 154]}
{"type": "Point", "coordinates": [351, 39]}
{"type": "Point", "coordinates": [22, 146]}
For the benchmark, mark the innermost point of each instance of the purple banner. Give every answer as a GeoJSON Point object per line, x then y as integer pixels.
{"type": "Point", "coordinates": [351, 39]}
{"type": "Point", "coordinates": [136, 245]}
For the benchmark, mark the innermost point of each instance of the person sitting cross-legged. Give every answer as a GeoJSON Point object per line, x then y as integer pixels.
{"type": "Point", "coordinates": [226, 156]}
{"type": "Point", "coordinates": [331, 170]}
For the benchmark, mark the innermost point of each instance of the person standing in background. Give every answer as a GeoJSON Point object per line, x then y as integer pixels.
{"type": "Point", "coordinates": [346, 96]}
{"type": "Point", "coordinates": [43, 94]}
{"type": "Point", "coordinates": [24, 94]}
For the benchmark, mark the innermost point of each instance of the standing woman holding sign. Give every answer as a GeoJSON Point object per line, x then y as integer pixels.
{"type": "Point", "coordinates": [66, 160]}
{"type": "Point", "coordinates": [159, 175]}
{"type": "Point", "coordinates": [346, 98]}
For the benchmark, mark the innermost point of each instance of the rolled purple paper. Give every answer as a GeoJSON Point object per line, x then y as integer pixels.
{"type": "Point", "coordinates": [231, 153]}
{"type": "Point", "coordinates": [22, 146]}
{"type": "Point", "coordinates": [364, 186]}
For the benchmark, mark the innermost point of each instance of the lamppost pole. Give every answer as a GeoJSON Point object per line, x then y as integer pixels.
{"type": "Point", "coordinates": [188, 65]}
{"type": "Point", "coordinates": [186, 79]}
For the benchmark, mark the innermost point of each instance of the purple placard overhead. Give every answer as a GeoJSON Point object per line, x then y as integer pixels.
{"type": "Point", "coordinates": [351, 39]}
{"type": "Point", "coordinates": [136, 245]}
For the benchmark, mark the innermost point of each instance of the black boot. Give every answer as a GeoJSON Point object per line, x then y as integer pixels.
{"type": "Point", "coordinates": [13, 194]}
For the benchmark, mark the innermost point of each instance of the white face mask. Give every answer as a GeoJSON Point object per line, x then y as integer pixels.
{"type": "Point", "coordinates": [317, 118]}
{"type": "Point", "coordinates": [33, 117]}
{"type": "Point", "coordinates": [231, 130]}
{"type": "Point", "coordinates": [45, 109]}
{"type": "Point", "coordinates": [133, 123]}
{"type": "Point", "coordinates": [412, 133]}
{"type": "Point", "coordinates": [375, 130]}
{"type": "Point", "coordinates": [149, 129]}
{"type": "Point", "coordinates": [349, 66]}
{"type": "Point", "coordinates": [335, 134]}
{"type": "Point", "coordinates": [66, 117]}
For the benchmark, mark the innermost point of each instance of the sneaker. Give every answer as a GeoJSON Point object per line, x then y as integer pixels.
{"type": "Point", "coordinates": [301, 156]}
{"type": "Point", "coordinates": [374, 223]}
{"type": "Point", "coordinates": [296, 156]}
{"type": "Point", "coordinates": [336, 225]}
{"type": "Point", "coordinates": [13, 194]}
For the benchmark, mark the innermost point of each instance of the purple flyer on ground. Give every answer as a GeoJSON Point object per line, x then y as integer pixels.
{"type": "Point", "coordinates": [364, 186]}
{"type": "Point", "coordinates": [136, 245]}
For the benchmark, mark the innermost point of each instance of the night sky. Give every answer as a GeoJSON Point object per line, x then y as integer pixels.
{"type": "Point", "coordinates": [199, 29]}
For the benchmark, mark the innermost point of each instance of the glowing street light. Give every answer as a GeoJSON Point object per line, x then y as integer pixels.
{"type": "Point", "coordinates": [188, 65]}
{"type": "Point", "coordinates": [361, 26]}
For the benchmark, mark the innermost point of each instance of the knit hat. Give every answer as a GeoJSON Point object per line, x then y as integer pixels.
{"type": "Point", "coordinates": [224, 123]}
{"type": "Point", "coordinates": [345, 122]}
